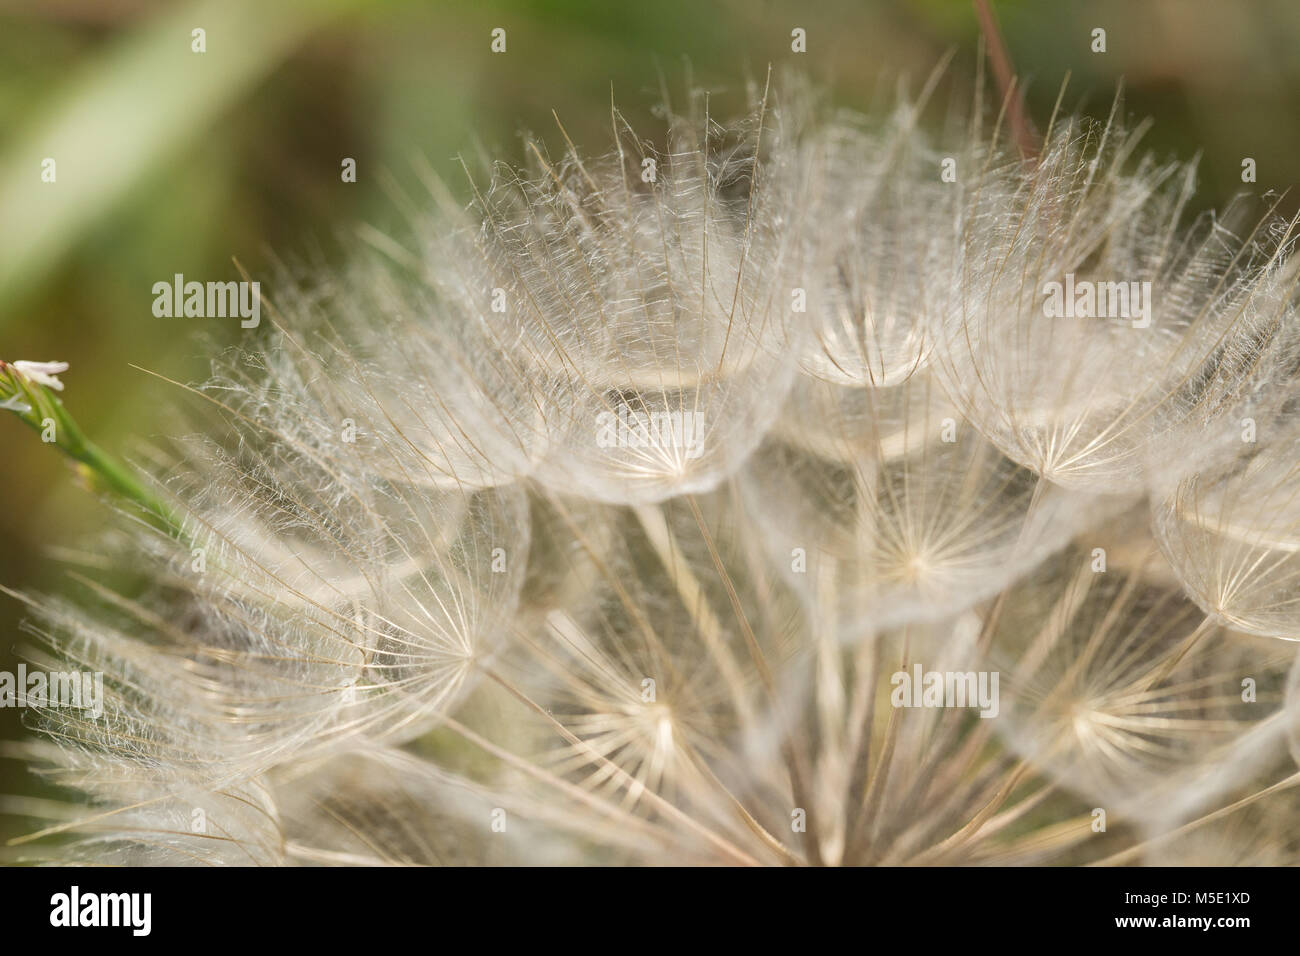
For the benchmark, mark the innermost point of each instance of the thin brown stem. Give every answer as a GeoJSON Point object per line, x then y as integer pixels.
{"type": "Point", "coordinates": [1021, 127]}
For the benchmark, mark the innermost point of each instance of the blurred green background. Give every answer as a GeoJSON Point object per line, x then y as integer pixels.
{"type": "Point", "coordinates": [173, 161]}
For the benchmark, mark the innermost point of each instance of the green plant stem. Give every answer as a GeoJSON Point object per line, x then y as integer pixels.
{"type": "Point", "coordinates": [43, 410]}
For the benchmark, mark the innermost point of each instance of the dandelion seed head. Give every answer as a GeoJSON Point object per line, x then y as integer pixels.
{"type": "Point", "coordinates": [604, 517]}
